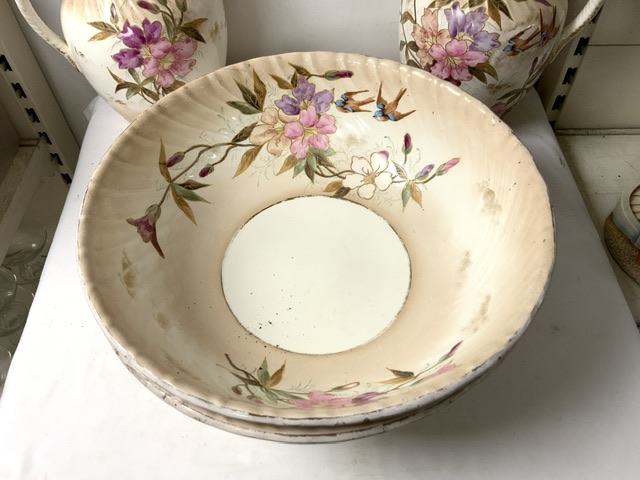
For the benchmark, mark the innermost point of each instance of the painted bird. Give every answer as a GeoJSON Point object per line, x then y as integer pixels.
{"type": "Point", "coordinates": [389, 110]}
{"type": "Point", "coordinates": [346, 103]}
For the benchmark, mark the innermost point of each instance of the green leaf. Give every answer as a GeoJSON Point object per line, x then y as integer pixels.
{"type": "Point", "coordinates": [116, 78]}
{"type": "Point", "coordinates": [272, 397]}
{"type": "Point", "coordinates": [401, 373]}
{"type": "Point", "coordinates": [245, 133]}
{"type": "Point", "coordinates": [407, 17]}
{"type": "Point", "coordinates": [134, 74]}
{"type": "Point", "coordinates": [188, 194]}
{"type": "Point", "coordinates": [182, 204]}
{"type": "Point", "coordinates": [300, 166]}
{"type": "Point", "coordinates": [169, 25]}
{"type": "Point", "coordinates": [276, 378]}
{"type": "Point", "coordinates": [301, 71]}
{"type": "Point", "coordinates": [263, 373]}
{"type": "Point", "coordinates": [406, 194]}
{"type": "Point", "coordinates": [481, 70]}
{"type": "Point", "coordinates": [193, 185]}
{"type": "Point", "coordinates": [416, 194]}
{"type": "Point", "coordinates": [402, 173]}
{"type": "Point", "coordinates": [244, 107]}
{"type": "Point", "coordinates": [413, 46]}
{"type": "Point", "coordinates": [193, 33]}
{"type": "Point", "coordinates": [288, 164]}
{"type": "Point", "coordinates": [195, 23]}
{"type": "Point", "coordinates": [260, 89]}
{"type": "Point", "coordinates": [248, 96]}
{"type": "Point", "coordinates": [333, 186]}
{"type": "Point", "coordinates": [102, 36]}
{"type": "Point", "coordinates": [247, 159]}
{"type": "Point", "coordinates": [283, 83]}
{"type": "Point", "coordinates": [162, 163]}
{"type": "Point", "coordinates": [104, 27]}
{"type": "Point", "coordinates": [342, 192]}
{"type": "Point", "coordinates": [413, 63]}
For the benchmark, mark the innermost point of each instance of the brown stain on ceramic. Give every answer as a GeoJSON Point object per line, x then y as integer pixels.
{"type": "Point", "coordinates": [162, 320]}
{"type": "Point", "coordinates": [490, 202]}
{"type": "Point", "coordinates": [481, 316]}
{"type": "Point", "coordinates": [129, 275]}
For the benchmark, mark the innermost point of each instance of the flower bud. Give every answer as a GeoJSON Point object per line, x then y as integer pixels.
{"type": "Point", "coordinates": [149, 6]}
{"type": "Point", "coordinates": [407, 145]}
{"type": "Point", "coordinates": [175, 158]}
{"type": "Point", "coordinates": [206, 170]}
{"type": "Point", "coordinates": [338, 74]}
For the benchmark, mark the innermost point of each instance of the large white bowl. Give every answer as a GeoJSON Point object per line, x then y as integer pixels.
{"type": "Point", "coordinates": [315, 246]}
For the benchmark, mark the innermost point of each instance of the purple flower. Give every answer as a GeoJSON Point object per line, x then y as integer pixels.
{"type": "Point", "coordinates": [322, 100]}
{"type": "Point", "coordinates": [288, 105]}
{"type": "Point", "coordinates": [304, 94]}
{"type": "Point", "coordinates": [304, 90]}
{"type": "Point", "coordinates": [471, 24]}
{"type": "Point", "coordinates": [128, 58]}
{"type": "Point", "coordinates": [136, 38]}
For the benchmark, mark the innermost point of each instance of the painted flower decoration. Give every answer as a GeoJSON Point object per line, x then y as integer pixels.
{"type": "Point", "coordinates": [146, 226]}
{"type": "Point", "coordinates": [450, 53]}
{"type": "Point", "coordinates": [137, 39]}
{"type": "Point", "coordinates": [310, 130]}
{"type": "Point", "coordinates": [304, 94]}
{"type": "Point", "coordinates": [272, 131]}
{"type": "Point", "coordinates": [369, 175]}
{"type": "Point", "coordinates": [319, 399]}
{"type": "Point", "coordinates": [157, 54]}
{"type": "Point", "coordinates": [167, 61]}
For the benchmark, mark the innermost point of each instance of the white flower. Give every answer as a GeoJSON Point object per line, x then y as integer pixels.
{"type": "Point", "coordinates": [369, 175]}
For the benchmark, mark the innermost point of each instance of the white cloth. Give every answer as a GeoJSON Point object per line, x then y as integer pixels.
{"type": "Point", "coordinates": [563, 404]}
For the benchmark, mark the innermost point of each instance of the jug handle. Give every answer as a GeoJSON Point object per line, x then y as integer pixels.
{"type": "Point", "coordinates": [44, 31]}
{"type": "Point", "coordinates": [572, 28]}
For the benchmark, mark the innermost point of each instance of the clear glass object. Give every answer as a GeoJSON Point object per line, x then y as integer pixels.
{"type": "Point", "coordinates": [8, 287]}
{"type": "Point", "coordinates": [5, 362]}
{"type": "Point", "coordinates": [27, 243]}
{"type": "Point", "coordinates": [13, 318]}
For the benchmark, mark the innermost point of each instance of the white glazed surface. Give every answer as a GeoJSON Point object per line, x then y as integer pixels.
{"type": "Point", "coordinates": [480, 241]}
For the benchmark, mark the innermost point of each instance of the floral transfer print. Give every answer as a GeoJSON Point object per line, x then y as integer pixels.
{"type": "Point", "coordinates": [260, 386]}
{"type": "Point", "coordinates": [295, 130]}
{"type": "Point", "coordinates": [156, 54]}
{"type": "Point", "coordinates": [456, 52]}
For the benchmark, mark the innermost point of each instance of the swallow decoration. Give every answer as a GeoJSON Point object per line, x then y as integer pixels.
{"type": "Point", "coordinates": [389, 110]}
{"type": "Point", "coordinates": [540, 36]}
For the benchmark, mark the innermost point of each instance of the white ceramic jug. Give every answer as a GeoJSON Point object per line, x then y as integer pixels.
{"type": "Point", "coordinates": [135, 52]}
{"type": "Point", "coordinates": [493, 49]}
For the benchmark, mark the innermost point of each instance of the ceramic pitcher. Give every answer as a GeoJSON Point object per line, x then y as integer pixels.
{"type": "Point", "coordinates": [495, 50]}
{"type": "Point", "coordinates": [135, 52]}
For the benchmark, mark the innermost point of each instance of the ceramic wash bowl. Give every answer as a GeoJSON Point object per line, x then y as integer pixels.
{"type": "Point", "coordinates": [315, 246]}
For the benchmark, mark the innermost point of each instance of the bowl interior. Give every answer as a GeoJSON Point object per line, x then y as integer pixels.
{"type": "Point", "coordinates": [315, 238]}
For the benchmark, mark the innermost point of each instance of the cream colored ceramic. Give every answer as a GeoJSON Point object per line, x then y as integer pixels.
{"type": "Point", "coordinates": [135, 52]}
{"type": "Point", "coordinates": [494, 50]}
{"type": "Point", "coordinates": [315, 246]}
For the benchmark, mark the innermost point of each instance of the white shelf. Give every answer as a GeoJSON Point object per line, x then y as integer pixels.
{"type": "Point", "coordinates": [604, 163]}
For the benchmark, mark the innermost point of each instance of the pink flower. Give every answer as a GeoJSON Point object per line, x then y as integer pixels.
{"type": "Point", "coordinates": [452, 60]}
{"type": "Point", "coordinates": [271, 131]}
{"type": "Point", "coordinates": [319, 399]}
{"type": "Point", "coordinates": [146, 227]}
{"type": "Point", "coordinates": [166, 61]}
{"type": "Point", "coordinates": [310, 130]}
